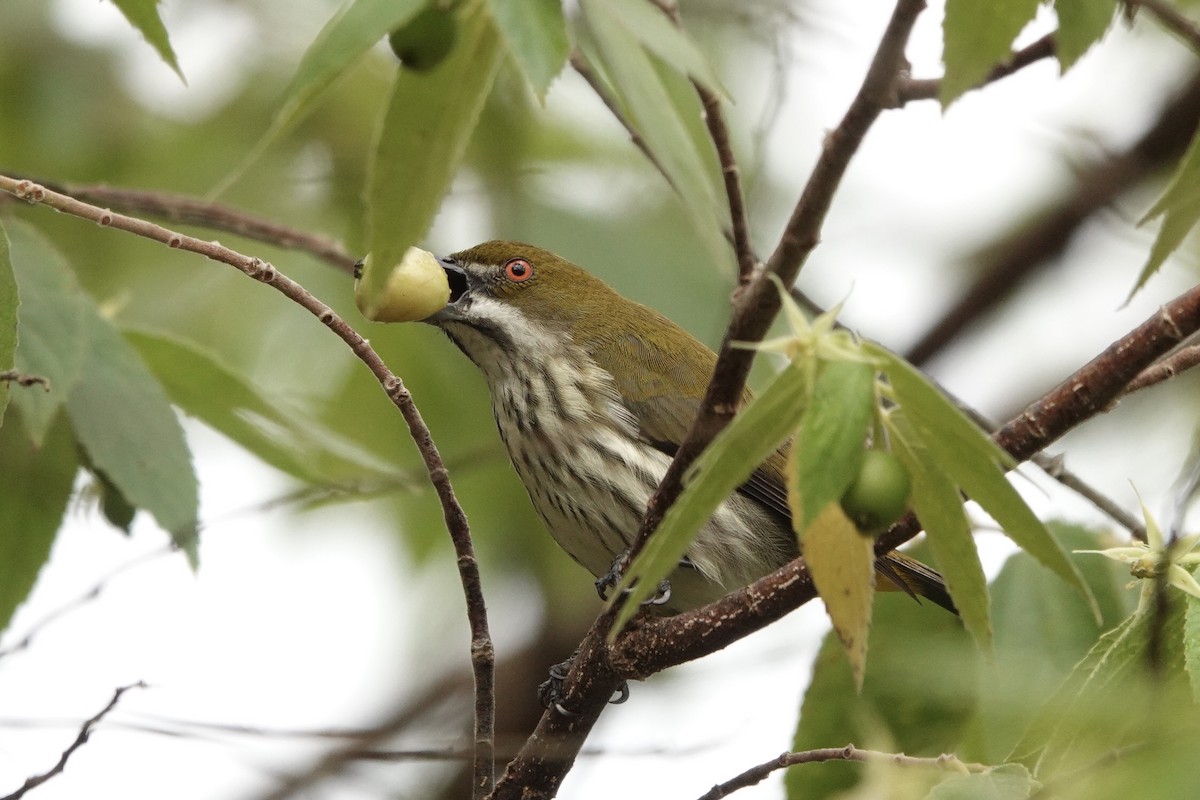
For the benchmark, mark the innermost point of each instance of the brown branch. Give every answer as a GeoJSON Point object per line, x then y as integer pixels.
{"type": "Point", "coordinates": [23, 380]}
{"type": "Point", "coordinates": [1172, 20]}
{"type": "Point", "coordinates": [651, 644]}
{"type": "Point", "coordinates": [1005, 265]}
{"type": "Point", "coordinates": [187, 210]}
{"type": "Point", "coordinates": [909, 89]}
{"type": "Point", "coordinates": [946, 762]}
{"type": "Point", "coordinates": [1183, 359]}
{"type": "Point", "coordinates": [758, 303]}
{"type": "Point", "coordinates": [482, 651]}
{"type": "Point", "coordinates": [80, 740]}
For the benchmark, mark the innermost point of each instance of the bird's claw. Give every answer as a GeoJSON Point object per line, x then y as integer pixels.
{"type": "Point", "coordinates": [609, 580]}
{"type": "Point", "coordinates": [550, 692]}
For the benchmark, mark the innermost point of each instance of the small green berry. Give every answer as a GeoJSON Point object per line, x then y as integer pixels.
{"type": "Point", "coordinates": [878, 496]}
{"type": "Point", "coordinates": [426, 39]}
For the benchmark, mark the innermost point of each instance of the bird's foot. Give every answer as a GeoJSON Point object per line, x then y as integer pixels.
{"type": "Point", "coordinates": [609, 580]}
{"type": "Point", "coordinates": [550, 692]}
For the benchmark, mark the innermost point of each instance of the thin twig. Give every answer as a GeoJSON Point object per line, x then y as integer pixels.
{"type": "Point", "coordinates": [1183, 359]}
{"type": "Point", "coordinates": [187, 210]}
{"type": "Point", "coordinates": [580, 64]}
{"type": "Point", "coordinates": [80, 740]}
{"type": "Point", "coordinates": [1172, 20]}
{"type": "Point", "coordinates": [946, 762]}
{"type": "Point", "coordinates": [23, 380]}
{"type": "Point", "coordinates": [909, 89]}
{"type": "Point", "coordinates": [482, 650]}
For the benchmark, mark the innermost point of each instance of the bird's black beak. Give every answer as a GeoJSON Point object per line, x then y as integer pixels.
{"type": "Point", "coordinates": [456, 276]}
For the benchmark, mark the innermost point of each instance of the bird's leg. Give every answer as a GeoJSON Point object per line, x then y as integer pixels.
{"type": "Point", "coordinates": [606, 582]}
{"type": "Point", "coordinates": [550, 691]}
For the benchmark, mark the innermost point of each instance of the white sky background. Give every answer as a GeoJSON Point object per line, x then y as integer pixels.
{"type": "Point", "coordinates": [301, 625]}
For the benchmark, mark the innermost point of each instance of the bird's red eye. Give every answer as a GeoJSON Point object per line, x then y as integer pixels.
{"type": "Point", "coordinates": [518, 270]}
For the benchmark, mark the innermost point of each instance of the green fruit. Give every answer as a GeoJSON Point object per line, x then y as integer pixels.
{"type": "Point", "coordinates": [426, 40]}
{"type": "Point", "coordinates": [878, 496]}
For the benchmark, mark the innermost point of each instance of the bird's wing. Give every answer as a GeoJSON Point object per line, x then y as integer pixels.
{"type": "Point", "coordinates": [665, 397]}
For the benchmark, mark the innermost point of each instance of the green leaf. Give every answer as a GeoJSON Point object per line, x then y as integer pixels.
{"type": "Point", "coordinates": [125, 423]}
{"type": "Point", "coordinates": [353, 31]}
{"type": "Point", "coordinates": [417, 155]}
{"type": "Point", "coordinates": [143, 15]}
{"type": "Point", "coordinates": [1191, 641]}
{"type": "Point", "coordinates": [725, 465]}
{"type": "Point", "coordinates": [8, 319]}
{"type": "Point", "coordinates": [828, 449]}
{"type": "Point", "coordinates": [939, 507]}
{"type": "Point", "coordinates": [1043, 628]}
{"type": "Point", "coordinates": [649, 108]}
{"type": "Point", "coordinates": [1089, 716]}
{"type": "Point", "coordinates": [1081, 23]}
{"type": "Point", "coordinates": [33, 496]}
{"type": "Point", "coordinates": [666, 40]}
{"type": "Point", "coordinates": [978, 35]}
{"type": "Point", "coordinates": [975, 463]}
{"type": "Point", "coordinates": [536, 33]}
{"type": "Point", "coordinates": [199, 384]}
{"type": "Point", "coordinates": [918, 694]}
{"type": "Point", "coordinates": [52, 339]}
{"type": "Point", "coordinates": [1179, 207]}
{"type": "Point", "coordinates": [1005, 782]}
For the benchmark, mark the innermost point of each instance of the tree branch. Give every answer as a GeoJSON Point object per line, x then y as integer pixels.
{"type": "Point", "coordinates": [947, 762]}
{"type": "Point", "coordinates": [482, 650]}
{"type": "Point", "coordinates": [909, 89]}
{"type": "Point", "coordinates": [1004, 265]}
{"type": "Point", "coordinates": [80, 740]}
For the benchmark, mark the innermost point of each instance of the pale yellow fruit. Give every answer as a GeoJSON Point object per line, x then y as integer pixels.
{"type": "Point", "coordinates": [415, 289]}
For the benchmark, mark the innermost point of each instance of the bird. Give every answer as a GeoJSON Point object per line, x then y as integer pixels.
{"type": "Point", "coordinates": [592, 393]}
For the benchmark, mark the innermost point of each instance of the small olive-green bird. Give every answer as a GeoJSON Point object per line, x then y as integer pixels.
{"type": "Point", "coordinates": [592, 394]}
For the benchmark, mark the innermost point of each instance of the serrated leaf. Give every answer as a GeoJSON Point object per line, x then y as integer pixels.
{"type": "Point", "coordinates": [1191, 641]}
{"type": "Point", "coordinates": [1005, 782]}
{"type": "Point", "coordinates": [536, 34]}
{"type": "Point", "coordinates": [143, 15]}
{"type": "Point", "coordinates": [1043, 628]}
{"type": "Point", "coordinates": [725, 465]}
{"type": "Point", "coordinates": [1179, 207]}
{"type": "Point", "coordinates": [976, 464]}
{"type": "Point", "coordinates": [1081, 23]}
{"type": "Point", "coordinates": [842, 563]}
{"type": "Point", "coordinates": [1090, 715]}
{"type": "Point", "coordinates": [828, 450]}
{"type": "Point", "coordinates": [8, 318]}
{"type": "Point", "coordinates": [354, 30]}
{"type": "Point", "coordinates": [417, 154]}
{"type": "Point", "coordinates": [939, 507]}
{"type": "Point", "coordinates": [918, 694]}
{"type": "Point", "coordinates": [199, 384]}
{"type": "Point", "coordinates": [977, 35]}
{"type": "Point", "coordinates": [124, 421]}
{"type": "Point", "coordinates": [662, 37]}
{"type": "Point", "coordinates": [648, 106]}
{"type": "Point", "coordinates": [52, 339]}
{"type": "Point", "coordinates": [33, 497]}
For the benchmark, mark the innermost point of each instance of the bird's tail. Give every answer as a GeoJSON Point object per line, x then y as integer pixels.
{"type": "Point", "coordinates": [904, 574]}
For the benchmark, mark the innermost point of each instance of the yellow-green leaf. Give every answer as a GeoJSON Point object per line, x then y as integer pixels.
{"type": "Point", "coordinates": [536, 34]}
{"type": "Point", "coordinates": [725, 465]}
{"type": "Point", "coordinates": [1081, 23]}
{"type": "Point", "coordinates": [842, 563]}
{"type": "Point", "coordinates": [939, 507]}
{"type": "Point", "coordinates": [828, 449]}
{"type": "Point", "coordinates": [977, 35]}
{"type": "Point", "coordinates": [974, 462]}
{"type": "Point", "coordinates": [8, 318]}
{"type": "Point", "coordinates": [1179, 207]}
{"type": "Point", "coordinates": [417, 155]}
{"type": "Point", "coordinates": [143, 15]}
{"type": "Point", "coordinates": [658, 34]}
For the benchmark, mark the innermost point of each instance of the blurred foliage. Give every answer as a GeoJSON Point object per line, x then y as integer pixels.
{"type": "Point", "coordinates": [313, 111]}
